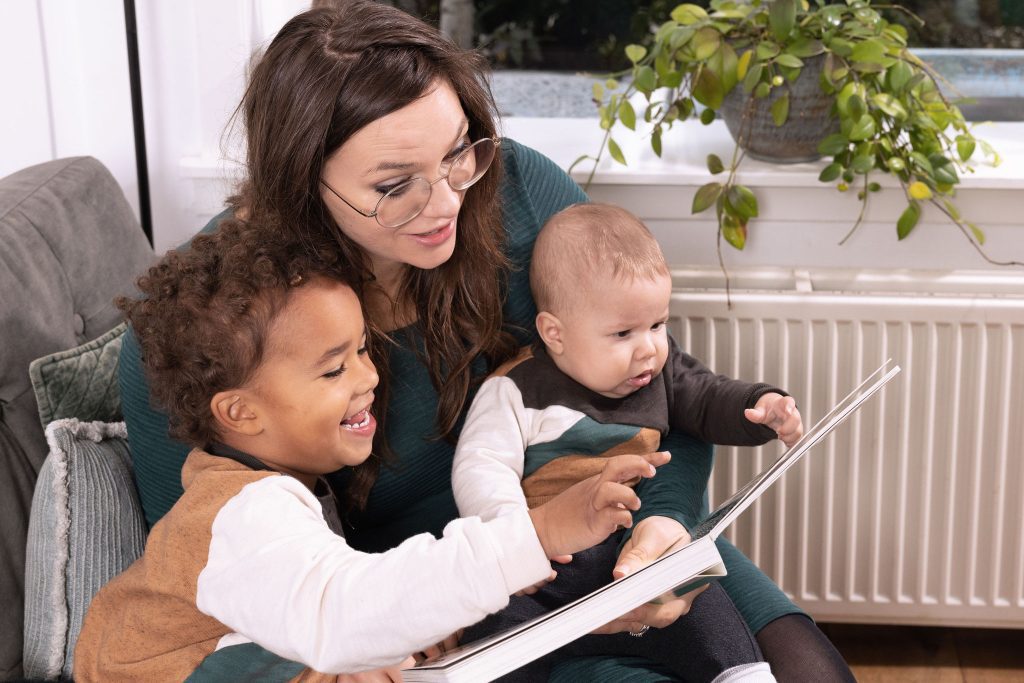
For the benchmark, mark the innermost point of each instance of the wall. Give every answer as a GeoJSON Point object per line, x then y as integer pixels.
{"type": "Point", "coordinates": [66, 82]}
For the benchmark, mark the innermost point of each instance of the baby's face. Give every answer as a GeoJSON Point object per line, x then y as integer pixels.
{"type": "Point", "coordinates": [614, 338]}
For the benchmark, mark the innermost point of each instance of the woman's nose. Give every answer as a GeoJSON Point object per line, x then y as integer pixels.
{"type": "Point", "coordinates": [444, 201]}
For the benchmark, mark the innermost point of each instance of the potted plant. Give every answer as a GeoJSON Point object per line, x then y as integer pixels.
{"type": "Point", "coordinates": [768, 63]}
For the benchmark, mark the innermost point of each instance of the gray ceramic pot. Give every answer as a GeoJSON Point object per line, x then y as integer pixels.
{"type": "Point", "coordinates": [797, 139]}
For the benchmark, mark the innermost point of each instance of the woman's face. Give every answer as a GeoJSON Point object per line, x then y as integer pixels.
{"type": "Point", "coordinates": [410, 142]}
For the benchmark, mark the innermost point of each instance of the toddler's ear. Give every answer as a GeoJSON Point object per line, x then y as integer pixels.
{"type": "Point", "coordinates": [233, 413]}
{"type": "Point", "coordinates": [550, 330]}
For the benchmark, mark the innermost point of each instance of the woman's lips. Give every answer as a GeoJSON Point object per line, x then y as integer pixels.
{"type": "Point", "coordinates": [435, 237]}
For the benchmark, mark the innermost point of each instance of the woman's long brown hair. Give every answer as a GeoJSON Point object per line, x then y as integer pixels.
{"type": "Point", "coordinates": [328, 73]}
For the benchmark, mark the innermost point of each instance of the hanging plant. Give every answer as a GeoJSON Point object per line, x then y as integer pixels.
{"type": "Point", "coordinates": [883, 108]}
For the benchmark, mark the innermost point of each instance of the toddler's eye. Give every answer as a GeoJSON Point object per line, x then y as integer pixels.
{"type": "Point", "coordinates": [362, 350]}
{"type": "Point", "coordinates": [335, 373]}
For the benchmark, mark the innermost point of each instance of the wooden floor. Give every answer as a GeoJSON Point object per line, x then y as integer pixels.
{"type": "Point", "coordinates": [905, 654]}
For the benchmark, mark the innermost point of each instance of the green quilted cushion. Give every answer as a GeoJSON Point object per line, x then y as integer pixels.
{"type": "Point", "coordinates": [80, 382]}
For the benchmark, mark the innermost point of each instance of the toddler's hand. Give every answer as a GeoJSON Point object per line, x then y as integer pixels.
{"type": "Point", "coordinates": [780, 413]}
{"type": "Point", "coordinates": [588, 511]}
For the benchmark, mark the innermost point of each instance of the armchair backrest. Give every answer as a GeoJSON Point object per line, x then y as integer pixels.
{"type": "Point", "coordinates": [69, 243]}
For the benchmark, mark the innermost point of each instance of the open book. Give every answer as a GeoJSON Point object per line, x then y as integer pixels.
{"type": "Point", "coordinates": [679, 570]}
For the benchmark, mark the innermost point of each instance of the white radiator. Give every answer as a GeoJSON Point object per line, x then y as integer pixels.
{"type": "Point", "coordinates": [913, 511]}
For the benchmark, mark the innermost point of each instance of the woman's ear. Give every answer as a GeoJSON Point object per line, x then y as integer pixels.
{"type": "Point", "coordinates": [550, 330]}
{"type": "Point", "coordinates": [233, 413]}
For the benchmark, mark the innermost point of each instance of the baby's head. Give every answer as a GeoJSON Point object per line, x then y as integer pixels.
{"type": "Point", "coordinates": [602, 289]}
{"type": "Point", "coordinates": [257, 343]}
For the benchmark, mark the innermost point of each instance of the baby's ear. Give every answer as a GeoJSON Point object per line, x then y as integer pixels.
{"type": "Point", "coordinates": [233, 413]}
{"type": "Point", "coordinates": [549, 328]}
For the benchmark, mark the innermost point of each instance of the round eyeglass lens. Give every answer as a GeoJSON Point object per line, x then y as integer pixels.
{"type": "Point", "coordinates": [469, 167]}
{"type": "Point", "coordinates": [406, 200]}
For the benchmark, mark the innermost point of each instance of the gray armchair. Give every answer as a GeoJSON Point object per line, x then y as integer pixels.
{"type": "Point", "coordinates": [70, 244]}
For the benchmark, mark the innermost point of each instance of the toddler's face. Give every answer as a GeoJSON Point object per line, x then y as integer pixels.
{"type": "Point", "coordinates": [315, 385]}
{"type": "Point", "coordinates": [614, 339]}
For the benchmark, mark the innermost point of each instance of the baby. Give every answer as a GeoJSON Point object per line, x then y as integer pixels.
{"type": "Point", "coordinates": [607, 379]}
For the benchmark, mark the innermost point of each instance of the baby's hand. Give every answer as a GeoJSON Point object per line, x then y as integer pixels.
{"type": "Point", "coordinates": [588, 511]}
{"type": "Point", "coordinates": [780, 413]}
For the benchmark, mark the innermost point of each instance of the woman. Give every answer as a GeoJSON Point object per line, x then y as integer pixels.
{"type": "Point", "coordinates": [368, 125]}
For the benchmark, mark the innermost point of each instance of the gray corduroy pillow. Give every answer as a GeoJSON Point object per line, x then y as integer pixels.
{"type": "Point", "coordinates": [86, 527]}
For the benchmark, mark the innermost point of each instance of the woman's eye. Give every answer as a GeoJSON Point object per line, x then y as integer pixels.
{"type": "Point", "coordinates": [457, 151]}
{"type": "Point", "coordinates": [394, 190]}
{"type": "Point", "coordinates": [335, 373]}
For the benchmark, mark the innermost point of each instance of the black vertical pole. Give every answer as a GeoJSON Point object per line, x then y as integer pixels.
{"type": "Point", "coordinates": [135, 78]}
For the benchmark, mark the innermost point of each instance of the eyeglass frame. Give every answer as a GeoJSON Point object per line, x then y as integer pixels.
{"type": "Point", "coordinates": [444, 176]}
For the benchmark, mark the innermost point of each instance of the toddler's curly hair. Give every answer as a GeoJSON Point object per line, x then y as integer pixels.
{"type": "Point", "coordinates": [205, 312]}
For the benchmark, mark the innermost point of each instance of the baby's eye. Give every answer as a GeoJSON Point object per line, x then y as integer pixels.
{"type": "Point", "coordinates": [657, 326]}
{"type": "Point", "coordinates": [622, 334]}
{"type": "Point", "coordinates": [335, 373]}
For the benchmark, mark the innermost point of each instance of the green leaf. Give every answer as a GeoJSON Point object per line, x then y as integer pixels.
{"type": "Point", "coordinates": [943, 170]}
{"type": "Point", "coordinates": [656, 141]}
{"type": "Point", "coordinates": [863, 129]}
{"type": "Point", "coordinates": [581, 158]}
{"type": "Point", "coordinates": [855, 107]}
{"type": "Point", "coordinates": [734, 231]}
{"type": "Point", "coordinates": [762, 90]}
{"type": "Point", "coordinates": [890, 105]}
{"type": "Point", "coordinates": [753, 77]}
{"type": "Point", "coordinates": [706, 43]}
{"type": "Point", "coordinates": [978, 234]}
{"type": "Point", "coordinates": [626, 115]}
{"type": "Point", "coordinates": [616, 152]}
{"type": "Point", "coordinates": [908, 219]}
{"type": "Point", "coordinates": [766, 50]}
{"type": "Point", "coordinates": [726, 65]}
{"type": "Point", "coordinates": [645, 79]}
{"type": "Point", "coordinates": [898, 76]}
{"type": "Point", "coordinates": [598, 92]}
{"type": "Point", "coordinates": [782, 18]}
{"type": "Point", "coordinates": [964, 147]}
{"type": "Point", "coordinates": [688, 14]}
{"type": "Point", "coordinates": [862, 164]}
{"type": "Point", "coordinates": [707, 116]}
{"type": "Point", "coordinates": [830, 172]}
{"type": "Point", "coordinates": [715, 165]}
{"type": "Point", "coordinates": [951, 207]}
{"type": "Point", "coordinates": [833, 144]}
{"type": "Point", "coordinates": [792, 61]}
{"type": "Point", "coordinates": [841, 47]}
{"type": "Point", "coordinates": [708, 89]}
{"type": "Point", "coordinates": [635, 53]}
{"type": "Point", "coordinates": [705, 197]}
{"type": "Point", "coordinates": [780, 109]}
{"type": "Point", "coordinates": [868, 52]}
{"type": "Point", "coordinates": [743, 201]}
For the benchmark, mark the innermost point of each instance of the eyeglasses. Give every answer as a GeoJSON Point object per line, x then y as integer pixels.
{"type": "Point", "coordinates": [405, 201]}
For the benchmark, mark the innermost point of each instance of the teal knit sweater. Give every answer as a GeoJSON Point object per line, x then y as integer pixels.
{"type": "Point", "coordinates": [415, 494]}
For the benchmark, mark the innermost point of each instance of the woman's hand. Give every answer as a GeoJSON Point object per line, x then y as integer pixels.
{"type": "Point", "coordinates": [588, 511]}
{"type": "Point", "coordinates": [651, 538]}
{"type": "Point", "coordinates": [779, 413]}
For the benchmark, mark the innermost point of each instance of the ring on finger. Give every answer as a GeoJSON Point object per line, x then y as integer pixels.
{"type": "Point", "coordinates": [643, 630]}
